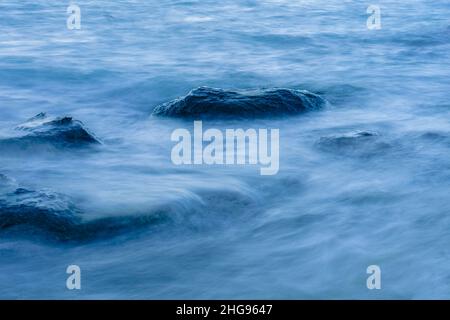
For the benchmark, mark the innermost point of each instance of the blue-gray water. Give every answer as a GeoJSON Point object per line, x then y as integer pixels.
{"type": "Point", "coordinates": [341, 201]}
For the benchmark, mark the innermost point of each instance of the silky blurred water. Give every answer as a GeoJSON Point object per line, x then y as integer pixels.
{"type": "Point", "coordinates": [337, 204]}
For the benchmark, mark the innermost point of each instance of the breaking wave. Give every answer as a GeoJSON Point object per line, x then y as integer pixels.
{"type": "Point", "coordinates": [57, 217]}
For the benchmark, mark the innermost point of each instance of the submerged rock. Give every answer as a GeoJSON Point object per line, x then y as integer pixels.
{"type": "Point", "coordinates": [45, 210]}
{"type": "Point", "coordinates": [436, 137]}
{"type": "Point", "coordinates": [61, 131]}
{"type": "Point", "coordinates": [349, 138]}
{"type": "Point", "coordinates": [358, 143]}
{"type": "Point", "coordinates": [207, 102]}
{"type": "Point", "coordinates": [6, 184]}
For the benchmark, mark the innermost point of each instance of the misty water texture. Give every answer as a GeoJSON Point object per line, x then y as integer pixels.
{"type": "Point", "coordinates": [364, 180]}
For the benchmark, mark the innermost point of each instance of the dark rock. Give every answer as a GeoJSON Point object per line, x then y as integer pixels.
{"type": "Point", "coordinates": [44, 210]}
{"type": "Point", "coordinates": [207, 102]}
{"type": "Point", "coordinates": [62, 131]}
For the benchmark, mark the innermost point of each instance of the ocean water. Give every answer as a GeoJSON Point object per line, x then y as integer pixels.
{"type": "Point", "coordinates": [365, 181]}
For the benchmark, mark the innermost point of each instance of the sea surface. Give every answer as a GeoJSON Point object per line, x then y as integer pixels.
{"type": "Point", "coordinates": [365, 181]}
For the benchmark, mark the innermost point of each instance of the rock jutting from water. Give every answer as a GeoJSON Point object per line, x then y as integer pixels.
{"type": "Point", "coordinates": [60, 132]}
{"type": "Point", "coordinates": [205, 102]}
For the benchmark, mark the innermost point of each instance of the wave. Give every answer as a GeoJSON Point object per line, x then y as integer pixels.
{"type": "Point", "coordinates": [205, 102]}
{"type": "Point", "coordinates": [54, 216]}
